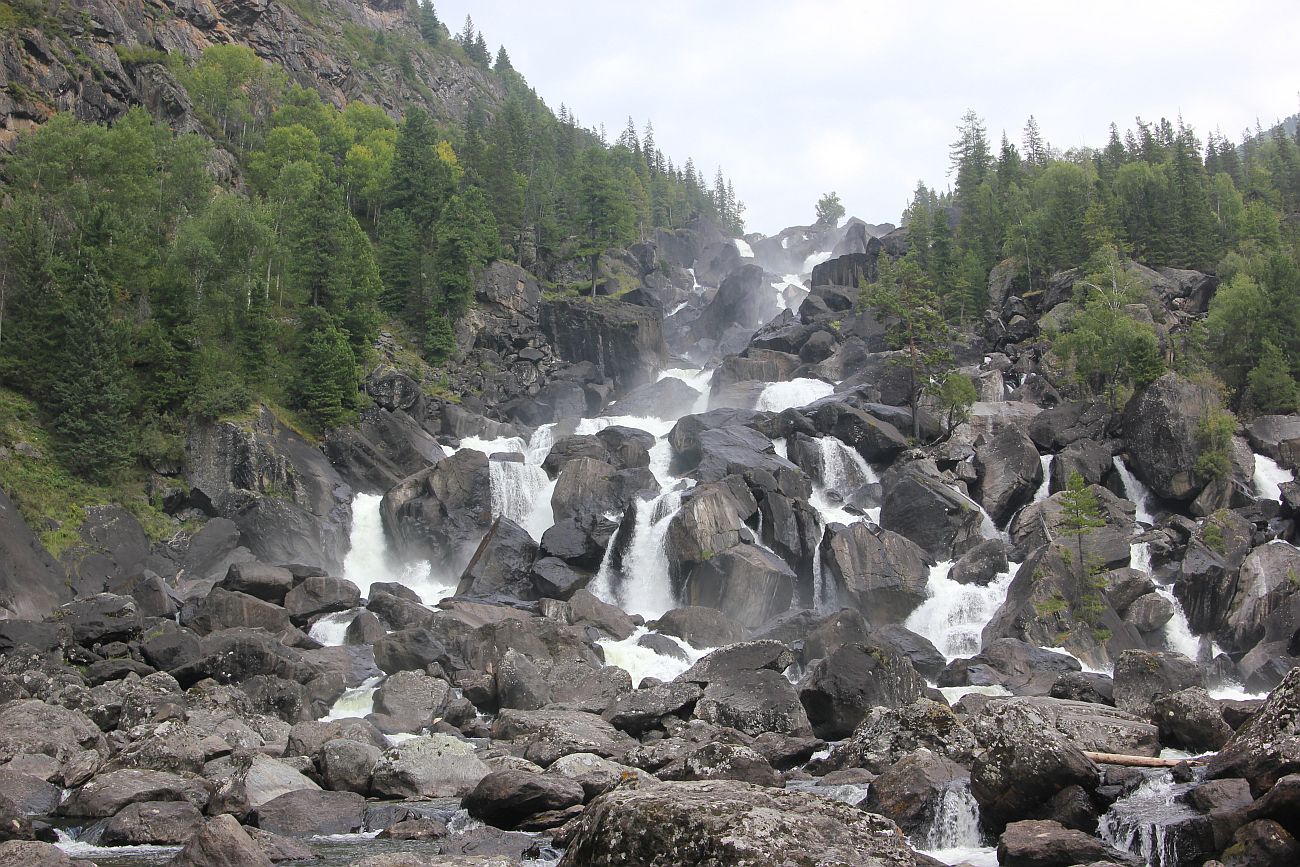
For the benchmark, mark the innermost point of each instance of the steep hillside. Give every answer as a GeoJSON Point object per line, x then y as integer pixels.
{"type": "Point", "coordinates": [97, 58]}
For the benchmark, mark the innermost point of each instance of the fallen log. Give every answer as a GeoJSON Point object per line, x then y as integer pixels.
{"type": "Point", "coordinates": [1139, 761]}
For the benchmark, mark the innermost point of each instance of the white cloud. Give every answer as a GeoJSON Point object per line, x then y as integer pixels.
{"type": "Point", "coordinates": [797, 98]}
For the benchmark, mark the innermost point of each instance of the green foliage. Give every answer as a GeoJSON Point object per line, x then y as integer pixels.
{"type": "Point", "coordinates": [1212, 536]}
{"type": "Point", "coordinates": [1106, 348]}
{"type": "Point", "coordinates": [829, 210]}
{"type": "Point", "coordinates": [956, 394]}
{"type": "Point", "coordinates": [327, 387]}
{"type": "Point", "coordinates": [905, 299]}
{"type": "Point", "coordinates": [1214, 439]}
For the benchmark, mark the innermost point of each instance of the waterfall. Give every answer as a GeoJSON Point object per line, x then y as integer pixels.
{"type": "Point", "coordinates": [1270, 477]}
{"type": "Point", "coordinates": [646, 587]}
{"type": "Point", "coordinates": [779, 396]}
{"type": "Point", "coordinates": [1178, 632]}
{"type": "Point", "coordinates": [815, 259]}
{"type": "Point", "coordinates": [641, 662]}
{"type": "Point", "coordinates": [521, 490]}
{"type": "Point", "coordinates": [331, 629]}
{"type": "Point", "coordinates": [355, 702]}
{"type": "Point", "coordinates": [1044, 489]}
{"type": "Point", "coordinates": [956, 822]}
{"type": "Point", "coordinates": [955, 614]}
{"type": "Point", "coordinates": [369, 560]}
{"type": "Point", "coordinates": [1147, 822]}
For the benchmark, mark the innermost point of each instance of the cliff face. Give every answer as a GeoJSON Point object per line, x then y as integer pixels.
{"type": "Point", "coordinates": [97, 58]}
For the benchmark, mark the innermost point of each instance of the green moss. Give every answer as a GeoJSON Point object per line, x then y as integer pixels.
{"type": "Point", "coordinates": [1212, 536]}
{"type": "Point", "coordinates": [52, 500]}
{"type": "Point", "coordinates": [1052, 606]}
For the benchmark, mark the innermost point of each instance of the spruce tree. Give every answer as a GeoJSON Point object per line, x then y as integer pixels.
{"type": "Point", "coordinates": [89, 399]}
{"type": "Point", "coordinates": [327, 375]}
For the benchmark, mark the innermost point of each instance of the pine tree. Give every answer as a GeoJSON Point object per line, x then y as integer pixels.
{"type": "Point", "coordinates": [829, 210]}
{"type": "Point", "coordinates": [465, 239]}
{"type": "Point", "coordinates": [430, 26]}
{"type": "Point", "coordinates": [327, 386]}
{"type": "Point", "coordinates": [420, 181]}
{"type": "Point", "coordinates": [971, 159]}
{"type": "Point", "coordinates": [89, 401]}
{"type": "Point", "coordinates": [466, 36]}
{"type": "Point", "coordinates": [481, 55]}
{"type": "Point", "coordinates": [503, 61]}
{"type": "Point", "coordinates": [1036, 153]}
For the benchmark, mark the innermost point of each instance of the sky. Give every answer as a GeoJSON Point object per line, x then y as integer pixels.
{"type": "Point", "coordinates": [796, 98]}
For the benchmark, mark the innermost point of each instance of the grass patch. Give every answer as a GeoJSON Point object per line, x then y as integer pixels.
{"type": "Point", "coordinates": [52, 500]}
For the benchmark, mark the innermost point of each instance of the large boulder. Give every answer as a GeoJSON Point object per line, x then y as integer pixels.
{"type": "Point", "coordinates": [505, 798]}
{"type": "Point", "coordinates": [1267, 747]}
{"type": "Point", "coordinates": [1009, 472]}
{"type": "Point", "coordinates": [1044, 843]}
{"type": "Point", "coordinates": [542, 736]}
{"type": "Point", "coordinates": [108, 793]}
{"type": "Point", "coordinates": [385, 446]}
{"type": "Point", "coordinates": [502, 564]}
{"type": "Point", "coordinates": [624, 342]}
{"type": "Point", "coordinates": [888, 734]}
{"type": "Point", "coordinates": [289, 503]}
{"type": "Point", "coordinates": [307, 813]}
{"type": "Point", "coordinates": [748, 583]}
{"type": "Point", "coordinates": [731, 823]}
{"type": "Point", "coordinates": [913, 789]}
{"type": "Point", "coordinates": [754, 702]}
{"type": "Point", "coordinates": [32, 583]}
{"type": "Point", "coordinates": [1266, 599]}
{"type": "Point", "coordinates": [1023, 764]}
{"type": "Point", "coordinates": [1142, 677]}
{"type": "Point", "coordinates": [441, 514]}
{"type": "Point", "coordinates": [838, 690]}
{"type": "Point", "coordinates": [1095, 727]}
{"type": "Point", "coordinates": [700, 627]}
{"type": "Point", "coordinates": [1043, 522]}
{"type": "Point", "coordinates": [918, 505]}
{"type": "Point", "coordinates": [881, 573]}
{"type": "Point", "coordinates": [221, 842]}
{"type": "Point", "coordinates": [1162, 430]}
{"type": "Point", "coordinates": [436, 766]}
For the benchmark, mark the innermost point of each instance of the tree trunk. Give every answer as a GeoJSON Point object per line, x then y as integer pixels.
{"type": "Point", "coordinates": [1137, 761]}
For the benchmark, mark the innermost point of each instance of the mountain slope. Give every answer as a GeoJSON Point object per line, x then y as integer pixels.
{"type": "Point", "coordinates": [97, 58]}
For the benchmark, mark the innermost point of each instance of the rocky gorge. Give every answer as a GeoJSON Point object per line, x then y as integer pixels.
{"type": "Point", "coordinates": [678, 567]}
{"type": "Point", "coordinates": [681, 599]}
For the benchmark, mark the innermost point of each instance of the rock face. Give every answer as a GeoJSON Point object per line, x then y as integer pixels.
{"type": "Point", "coordinates": [289, 504]}
{"type": "Point", "coordinates": [624, 342]}
{"type": "Point", "coordinates": [1160, 428]}
{"type": "Point", "coordinates": [921, 507]}
{"type": "Point", "coordinates": [731, 823]}
{"type": "Point", "coordinates": [748, 583]}
{"type": "Point", "coordinates": [881, 573]}
{"type": "Point", "coordinates": [1267, 747]}
{"type": "Point", "coordinates": [32, 584]}
{"type": "Point", "coordinates": [839, 690]}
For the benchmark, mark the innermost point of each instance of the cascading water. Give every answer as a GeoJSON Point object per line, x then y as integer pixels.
{"type": "Point", "coordinates": [1270, 477]}
{"type": "Point", "coordinates": [521, 490]}
{"type": "Point", "coordinates": [1045, 488]}
{"type": "Point", "coordinates": [1154, 824]}
{"type": "Point", "coordinates": [369, 559]}
{"type": "Point", "coordinates": [1178, 632]}
{"type": "Point", "coordinates": [954, 616]}
{"type": "Point", "coordinates": [779, 396]}
{"type": "Point", "coordinates": [841, 471]}
{"type": "Point", "coordinates": [641, 662]}
{"type": "Point", "coordinates": [646, 586]}
{"type": "Point", "coordinates": [355, 702]}
{"type": "Point", "coordinates": [956, 822]}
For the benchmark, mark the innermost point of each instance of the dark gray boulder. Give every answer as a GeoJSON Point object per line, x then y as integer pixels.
{"type": "Point", "coordinates": [442, 513]}
{"type": "Point", "coordinates": [502, 564]}
{"type": "Point", "coordinates": [506, 798]}
{"type": "Point", "coordinates": [1161, 430]}
{"type": "Point", "coordinates": [921, 507]}
{"type": "Point", "coordinates": [748, 583]}
{"type": "Point", "coordinates": [32, 584]}
{"type": "Point", "coordinates": [838, 690]}
{"type": "Point", "coordinates": [1009, 472]}
{"type": "Point", "coordinates": [882, 573]}
{"type": "Point", "coordinates": [701, 627]}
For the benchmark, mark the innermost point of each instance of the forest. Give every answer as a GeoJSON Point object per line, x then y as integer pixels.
{"type": "Point", "coordinates": [147, 281]}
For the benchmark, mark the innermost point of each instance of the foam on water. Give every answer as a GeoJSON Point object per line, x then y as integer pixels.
{"type": "Point", "coordinates": [954, 615]}
{"type": "Point", "coordinates": [642, 662]}
{"type": "Point", "coordinates": [81, 851]}
{"type": "Point", "coordinates": [779, 396]}
{"type": "Point", "coordinates": [1270, 477]}
{"type": "Point", "coordinates": [331, 629]}
{"type": "Point", "coordinates": [956, 823]}
{"type": "Point", "coordinates": [355, 702]}
{"type": "Point", "coordinates": [814, 260]}
{"type": "Point", "coordinates": [369, 559]}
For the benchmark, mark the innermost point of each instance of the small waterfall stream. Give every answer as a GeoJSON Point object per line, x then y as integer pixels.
{"type": "Point", "coordinates": [1270, 477]}
{"type": "Point", "coordinates": [369, 559]}
{"type": "Point", "coordinates": [779, 396]}
{"type": "Point", "coordinates": [521, 490]}
{"type": "Point", "coordinates": [954, 616]}
{"type": "Point", "coordinates": [1154, 824]}
{"type": "Point", "coordinates": [1178, 633]}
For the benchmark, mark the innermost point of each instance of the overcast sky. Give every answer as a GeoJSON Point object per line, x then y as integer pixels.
{"type": "Point", "coordinates": [798, 97]}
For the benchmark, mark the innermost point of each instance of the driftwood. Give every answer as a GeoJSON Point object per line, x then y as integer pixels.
{"type": "Point", "coordinates": [1137, 761]}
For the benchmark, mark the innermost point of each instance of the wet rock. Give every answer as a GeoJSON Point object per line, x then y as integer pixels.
{"type": "Point", "coordinates": [320, 595]}
{"type": "Point", "coordinates": [729, 823]}
{"type": "Point", "coordinates": [1009, 472]}
{"type": "Point", "coordinates": [1191, 720]}
{"type": "Point", "coordinates": [441, 514]}
{"type": "Point", "coordinates": [506, 798]}
{"type": "Point", "coordinates": [1161, 432]}
{"type": "Point", "coordinates": [918, 505]}
{"type": "Point", "coordinates": [29, 853]}
{"type": "Point", "coordinates": [1281, 803]}
{"type": "Point", "coordinates": [269, 583]}
{"type": "Point", "coordinates": [411, 700]}
{"type": "Point", "coordinates": [502, 564]}
{"type": "Point", "coordinates": [911, 790]}
{"type": "Point", "coordinates": [981, 564]}
{"type": "Point", "coordinates": [547, 735]}
{"type": "Point", "coordinates": [1267, 594]}
{"type": "Point", "coordinates": [1094, 727]}
{"type": "Point", "coordinates": [641, 710]}
{"type": "Point", "coordinates": [1084, 686]}
{"type": "Point", "coordinates": [839, 689]}
{"type": "Point", "coordinates": [1149, 613]}
{"type": "Point", "coordinates": [108, 793]}
{"type": "Point", "coordinates": [1141, 677]}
